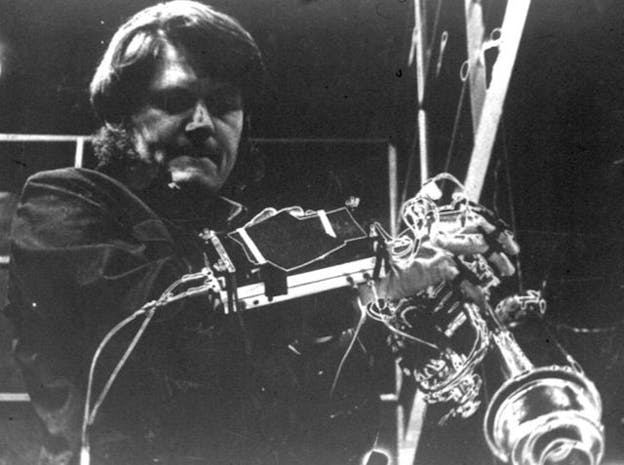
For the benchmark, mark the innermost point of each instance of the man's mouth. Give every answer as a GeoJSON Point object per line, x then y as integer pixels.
{"type": "Point", "coordinates": [215, 157]}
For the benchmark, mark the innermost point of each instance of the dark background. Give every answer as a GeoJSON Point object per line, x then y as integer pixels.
{"type": "Point", "coordinates": [338, 69]}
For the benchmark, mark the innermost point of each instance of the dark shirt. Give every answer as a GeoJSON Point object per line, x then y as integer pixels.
{"type": "Point", "coordinates": [86, 253]}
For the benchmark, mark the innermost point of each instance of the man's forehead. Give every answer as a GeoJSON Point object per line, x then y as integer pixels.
{"type": "Point", "coordinates": [177, 68]}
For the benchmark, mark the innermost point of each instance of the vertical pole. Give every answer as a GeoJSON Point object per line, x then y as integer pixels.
{"type": "Point", "coordinates": [78, 156]}
{"type": "Point", "coordinates": [393, 188]}
{"type": "Point", "coordinates": [421, 75]}
{"type": "Point", "coordinates": [413, 430]}
{"type": "Point", "coordinates": [475, 32]}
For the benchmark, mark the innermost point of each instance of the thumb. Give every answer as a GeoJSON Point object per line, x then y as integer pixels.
{"type": "Point", "coordinates": [422, 273]}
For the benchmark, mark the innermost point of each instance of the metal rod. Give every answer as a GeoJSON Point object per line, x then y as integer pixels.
{"type": "Point", "coordinates": [41, 138]}
{"type": "Point", "coordinates": [421, 76]}
{"type": "Point", "coordinates": [393, 189]}
{"type": "Point", "coordinates": [511, 32]}
{"type": "Point", "coordinates": [475, 33]}
{"type": "Point", "coordinates": [79, 155]}
{"type": "Point", "coordinates": [260, 140]}
{"type": "Point", "coordinates": [14, 397]}
{"type": "Point", "coordinates": [330, 140]}
{"type": "Point", "coordinates": [423, 146]}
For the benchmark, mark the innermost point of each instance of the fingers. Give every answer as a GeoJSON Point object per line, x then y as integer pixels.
{"type": "Point", "coordinates": [508, 243]}
{"type": "Point", "coordinates": [480, 221]}
{"type": "Point", "coordinates": [482, 233]}
{"type": "Point", "coordinates": [422, 273]}
{"type": "Point", "coordinates": [472, 244]}
{"type": "Point", "coordinates": [476, 244]}
{"type": "Point", "coordinates": [502, 264]}
{"type": "Point", "coordinates": [462, 244]}
{"type": "Point", "coordinates": [496, 232]}
{"type": "Point", "coordinates": [441, 267]}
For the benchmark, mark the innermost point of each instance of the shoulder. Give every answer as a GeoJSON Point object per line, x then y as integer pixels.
{"type": "Point", "coordinates": [83, 190]}
{"type": "Point", "coordinates": [89, 185]}
{"type": "Point", "coordinates": [78, 178]}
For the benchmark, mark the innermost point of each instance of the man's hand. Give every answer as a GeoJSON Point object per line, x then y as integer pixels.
{"type": "Point", "coordinates": [482, 233]}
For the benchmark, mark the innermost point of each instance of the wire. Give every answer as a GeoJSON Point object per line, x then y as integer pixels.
{"type": "Point", "coordinates": [121, 363]}
{"type": "Point", "coordinates": [149, 308]}
{"type": "Point", "coordinates": [458, 112]}
{"type": "Point", "coordinates": [510, 200]}
{"type": "Point", "coordinates": [88, 418]}
{"type": "Point", "coordinates": [387, 320]}
{"type": "Point", "coordinates": [356, 332]}
{"type": "Point", "coordinates": [409, 336]}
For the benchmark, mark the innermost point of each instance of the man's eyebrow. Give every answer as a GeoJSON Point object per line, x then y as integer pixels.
{"type": "Point", "coordinates": [177, 86]}
{"type": "Point", "coordinates": [218, 86]}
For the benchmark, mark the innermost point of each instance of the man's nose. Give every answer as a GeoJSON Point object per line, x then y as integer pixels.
{"type": "Point", "coordinates": [201, 118]}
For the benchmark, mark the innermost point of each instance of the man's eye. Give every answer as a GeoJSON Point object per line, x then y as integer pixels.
{"type": "Point", "coordinates": [174, 101]}
{"type": "Point", "coordinates": [225, 103]}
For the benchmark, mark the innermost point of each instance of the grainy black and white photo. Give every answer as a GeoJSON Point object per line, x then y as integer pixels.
{"type": "Point", "coordinates": [311, 232]}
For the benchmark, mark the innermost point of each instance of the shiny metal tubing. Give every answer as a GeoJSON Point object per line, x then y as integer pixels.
{"type": "Point", "coordinates": [546, 416]}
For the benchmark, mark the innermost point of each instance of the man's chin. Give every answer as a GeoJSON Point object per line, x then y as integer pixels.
{"type": "Point", "coordinates": [196, 180]}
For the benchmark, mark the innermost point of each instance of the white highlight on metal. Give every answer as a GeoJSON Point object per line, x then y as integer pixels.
{"type": "Point", "coordinates": [79, 155]}
{"type": "Point", "coordinates": [418, 46]}
{"type": "Point", "coordinates": [393, 188]}
{"type": "Point", "coordinates": [327, 226]}
{"type": "Point", "coordinates": [14, 397]}
{"type": "Point", "coordinates": [378, 450]}
{"type": "Point", "coordinates": [311, 282]}
{"type": "Point", "coordinates": [40, 138]}
{"type": "Point", "coordinates": [511, 33]}
{"type": "Point", "coordinates": [423, 146]}
{"type": "Point", "coordinates": [253, 249]}
{"type": "Point", "coordinates": [475, 33]}
{"type": "Point", "coordinates": [409, 436]}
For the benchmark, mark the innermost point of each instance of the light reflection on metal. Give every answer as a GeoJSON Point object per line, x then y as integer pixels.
{"type": "Point", "coordinates": [475, 33]}
{"type": "Point", "coordinates": [421, 67]}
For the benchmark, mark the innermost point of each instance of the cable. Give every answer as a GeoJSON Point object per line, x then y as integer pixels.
{"type": "Point", "coordinates": [121, 363]}
{"type": "Point", "coordinates": [356, 333]}
{"type": "Point", "coordinates": [409, 336]}
{"type": "Point", "coordinates": [510, 200]}
{"type": "Point", "coordinates": [88, 418]}
{"type": "Point", "coordinates": [458, 111]}
{"type": "Point", "coordinates": [149, 308]}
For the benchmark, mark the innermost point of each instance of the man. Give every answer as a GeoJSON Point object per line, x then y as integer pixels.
{"type": "Point", "coordinates": [89, 247]}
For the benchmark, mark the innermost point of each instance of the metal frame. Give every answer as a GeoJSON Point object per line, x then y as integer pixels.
{"type": "Point", "coordinates": [393, 195]}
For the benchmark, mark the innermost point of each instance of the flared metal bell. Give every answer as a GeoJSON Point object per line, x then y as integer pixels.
{"type": "Point", "coordinates": [547, 416]}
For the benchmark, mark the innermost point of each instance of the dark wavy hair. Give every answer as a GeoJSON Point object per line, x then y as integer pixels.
{"type": "Point", "coordinates": [219, 44]}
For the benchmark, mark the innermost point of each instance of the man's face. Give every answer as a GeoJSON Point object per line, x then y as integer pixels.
{"type": "Point", "coordinates": [189, 124]}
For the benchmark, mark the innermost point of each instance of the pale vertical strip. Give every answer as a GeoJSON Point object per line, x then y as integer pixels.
{"type": "Point", "coordinates": [411, 434]}
{"type": "Point", "coordinates": [421, 76]}
{"type": "Point", "coordinates": [475, 31]}
{"type": "Point", "coordinates": [393, 188]}
{"type": "Point", "coordinates": [79, 156]}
